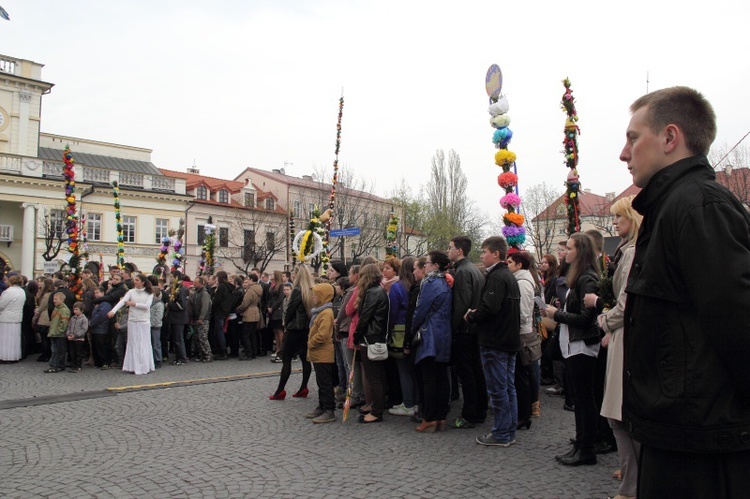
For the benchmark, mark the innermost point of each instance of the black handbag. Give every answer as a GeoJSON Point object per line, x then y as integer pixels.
{"type": "Point", "coordinates": [552, 348]}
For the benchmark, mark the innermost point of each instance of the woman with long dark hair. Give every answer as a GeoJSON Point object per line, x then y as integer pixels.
{"type": "Point", "coordinates": [432, 318]}
{"type": "Point", "coordinates": [627, 222]}
{"type": "Point", "coordinates": [372, 307]}
{"type": "Point", "coordinates": [579, 344]}
{"type": "Point", "coordinates": [297, 320]}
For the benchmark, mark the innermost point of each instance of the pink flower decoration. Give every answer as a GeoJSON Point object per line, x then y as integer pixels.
{"type": "Point", "coordinates": [510, 200]}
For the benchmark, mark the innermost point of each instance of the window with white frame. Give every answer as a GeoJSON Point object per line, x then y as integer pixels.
{"type": "Point", "coordinates": [310, 209]}
{"type": "Point", "coordinates": [297, 209]}
{"type": "Point", "coordinates": [250, 199]}
{"type": "Point", "coordinates": [269, 203]}
{"type": "Point", "coordinates": [223, 196]}
{"type": "Point", "coordinates": [224, 237]}
{"type": "Point", "coordinates": [128, 229]}
{"type": "Point", "coordinates": [94, 227]}
{"type": "Point", "coordinates": [201, 192]}
{"type": "Point", "coordinates": [57, 223]}
{"type": "Point", "coordinates": [162, 229]}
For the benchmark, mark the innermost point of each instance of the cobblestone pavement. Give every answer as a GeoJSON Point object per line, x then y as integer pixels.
{"type": "Point", "coordinates": [226, 439]}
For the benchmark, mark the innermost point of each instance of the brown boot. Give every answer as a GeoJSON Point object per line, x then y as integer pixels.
{"type": "Point", "coordinates": [536, 409]}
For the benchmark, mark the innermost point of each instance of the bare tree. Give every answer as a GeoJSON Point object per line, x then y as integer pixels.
{"type": "Point", "coordinates": [354, 207]}
{"type": "Point", "coordinates": [411, 211]}
{"type": "Point", "coordinates": [541, 217]}
{"type": "Point", "coordinates": [448, 209]}
{"type": "Point", "coordinates": [51, 228]}
{"type": "Point", "coordinates": [254, 238]}
{"type": "Point", "coordinates": [601, 218]}
{"type": "Point", "coordinates": [734, 170]}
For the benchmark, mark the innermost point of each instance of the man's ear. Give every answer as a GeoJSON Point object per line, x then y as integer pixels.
{"type": "Point", "coordinates": [673, 138]}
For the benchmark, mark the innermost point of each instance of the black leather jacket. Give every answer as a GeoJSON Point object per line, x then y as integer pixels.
{"type": "Point", "coordinates": [296, 317]}
{"type": "Point", "coordinates": [373, 316]}
{"type": "Point", "coordinates": [581, 321]}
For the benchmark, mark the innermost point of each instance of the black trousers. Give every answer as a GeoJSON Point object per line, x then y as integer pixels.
{"type": "Point", "coordinates": [433, 376]}
{"type": "Point", "coordinates": [603, 430]}
{"type": "Point", "coordinates": [523, 390]}
{"type": "Point", "coordinates": [78, 352]}
{"type": "Point", "coordinates": [324, 379]}
{"type": "Point", "coordinates": [468, 366]}
{"type": "Point", "coordinates": [663, 473]}
{"type": "Point", "coordinates": [249, 339]}
{"type": "Point", "coordinates": [102, 349]}
{"type": "Point", "coordinates": [581, 369]}
{"type": "Point", "coordinates": [376, 380]}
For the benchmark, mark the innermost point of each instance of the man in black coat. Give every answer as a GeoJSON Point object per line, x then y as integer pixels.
{"type": "Point", "coordinates": [686, 390]}
{"type": "Point", "coordinates": [498, 326]}
{"type": "Point", "coordinates": [467, 292]}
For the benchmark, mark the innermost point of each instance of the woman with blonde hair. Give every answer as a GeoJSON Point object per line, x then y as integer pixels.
{"type": "Point", "coordinates": [275, 301]}
{"type": "Point", "coordinates": [627, 222]}
{"type": "Point", "coordinates": [297, 320]}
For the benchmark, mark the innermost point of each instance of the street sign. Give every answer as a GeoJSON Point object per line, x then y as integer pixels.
{"type": "Point", "coordinates": [347, 232]}
{"type": "Point", "coordinates": [51, 267]}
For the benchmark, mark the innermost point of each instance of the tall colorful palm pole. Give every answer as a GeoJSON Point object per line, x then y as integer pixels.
{"type": "Point", "coordinates": [325, 256]}
{"type": "Point", "coordinates": [570, 142]}
{"type": "Point", "coordinates": [71, 223]}
{"type": "Point", "coordinates": [120, 256]}
{"type": "Point", "coordinates": [513, 228]}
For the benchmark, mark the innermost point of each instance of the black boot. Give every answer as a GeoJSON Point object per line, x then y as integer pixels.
{"type": "Point", "coordinates": [568, 454]}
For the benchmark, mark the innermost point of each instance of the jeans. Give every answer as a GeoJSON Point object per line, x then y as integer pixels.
{"type": "Point", "coordinates": [59, 347]}
{"type": "Point", "coordinates": [468, 365]}
{"type": "Point", "coordinates": [338, 348]}
{"type": "Point", "coordinates": [499, 372]}
{"type": "Point", "coordinates": [408, 379]}
{"type": "Point", "coordinates": [156, 344]}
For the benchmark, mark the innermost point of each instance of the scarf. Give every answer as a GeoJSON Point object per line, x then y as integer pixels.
{"type": "Point", "coordinates": [315, 311]}
{"type": "Point", "coordinates": [387, 283]}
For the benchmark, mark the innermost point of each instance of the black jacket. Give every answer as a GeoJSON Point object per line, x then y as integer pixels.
{"type": "Point", "coordinates": [581, 321]}
{"type": "Point", "coordinates": [373, 316]}
{"type": "Point", "coordinates": [687, 331]}
{"type": "Point", "coordinates": [223, 300]}
{"type": "Point", "coordinates": [177, 309]}
{"type": "Point", "coordinates": [467, 294]}
{"type": "Point", "coordinates": [498, 317]}
{"type": "Point", "coordinates": [410, 308]}
{"type": "Point", "coordinates": [296, 317]}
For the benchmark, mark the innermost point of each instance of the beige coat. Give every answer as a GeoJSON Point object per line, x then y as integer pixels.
{"type": "Point", "coordinates": [320, 339]}
{"type": "Point", "coordinates": [249, 306]}
{"type": "Point", "coordinates": [612, 322]}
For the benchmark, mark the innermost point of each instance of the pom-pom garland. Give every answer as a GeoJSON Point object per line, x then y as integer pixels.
{"type": "Point", "coordinates": [178, 252]}
{"type": "Point", "coordinates": [570, 153]}
{"type": "Point", "coordinates": [208, 261]}
{"type": "Point", "coordinates": [513, 228]}
{"type": "Point", "coordinates": [325, 257]}
{"type": "Point", "coordinates": [391, 231]}
{"type": "Point", "coordinates": [120, 255]}
{"type": "Point", "coordinates": [71, 224]}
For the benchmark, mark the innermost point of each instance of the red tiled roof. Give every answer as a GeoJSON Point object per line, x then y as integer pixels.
{"type": "Point", "coordinates": [311, 184]}
{"type": "Point", "coordinates": [591, 205]}
{"type": "Point", "coordinates": [193, 180]}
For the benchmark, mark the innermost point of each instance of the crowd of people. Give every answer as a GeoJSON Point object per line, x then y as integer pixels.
{"type": "Point", "coordinates": [649, 347]}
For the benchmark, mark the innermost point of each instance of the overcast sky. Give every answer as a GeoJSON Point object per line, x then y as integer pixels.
{"type": "Point", "coordinates": [232, 84]}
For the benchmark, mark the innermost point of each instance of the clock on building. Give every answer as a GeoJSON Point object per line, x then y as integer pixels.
{"type": "Point", "coordinates": [4, 119]}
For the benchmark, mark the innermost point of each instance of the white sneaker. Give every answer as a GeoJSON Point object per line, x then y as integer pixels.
{"type": "Point", "coordinates": [401, 410]}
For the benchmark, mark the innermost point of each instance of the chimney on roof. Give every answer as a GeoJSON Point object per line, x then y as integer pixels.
{"type": "Point", "coordinates": [193, 169]}
{"type": "Point", "coordinates": [276, 170]}
{"type": "Point", "coordinates": [610, 196]}
{"type": "Point", "coordinates": [587, 191]}
{"type": "Point", "coordinates": [728, 169]}
{"type": "Point", "coordinates": [307, 177]}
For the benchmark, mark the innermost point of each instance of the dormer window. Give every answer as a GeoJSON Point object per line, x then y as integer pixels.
{"type": "Point", "coordinates": [269, 204]}
{"type": "Point", "coordinates": [250, 199]}
{"type": "Point", "coordinates": [201, 192]}
{"type": "Point", "coordinates": [223, 196]}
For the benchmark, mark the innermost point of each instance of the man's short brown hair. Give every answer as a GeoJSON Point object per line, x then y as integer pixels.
{"type": "Point", "coordinates": [496, 243]}
{"type": "Point", "coordinates": [684, 107]}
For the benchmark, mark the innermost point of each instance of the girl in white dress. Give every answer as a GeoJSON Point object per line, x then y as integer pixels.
{"type": "Point", "coordinates": [139, 358]}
